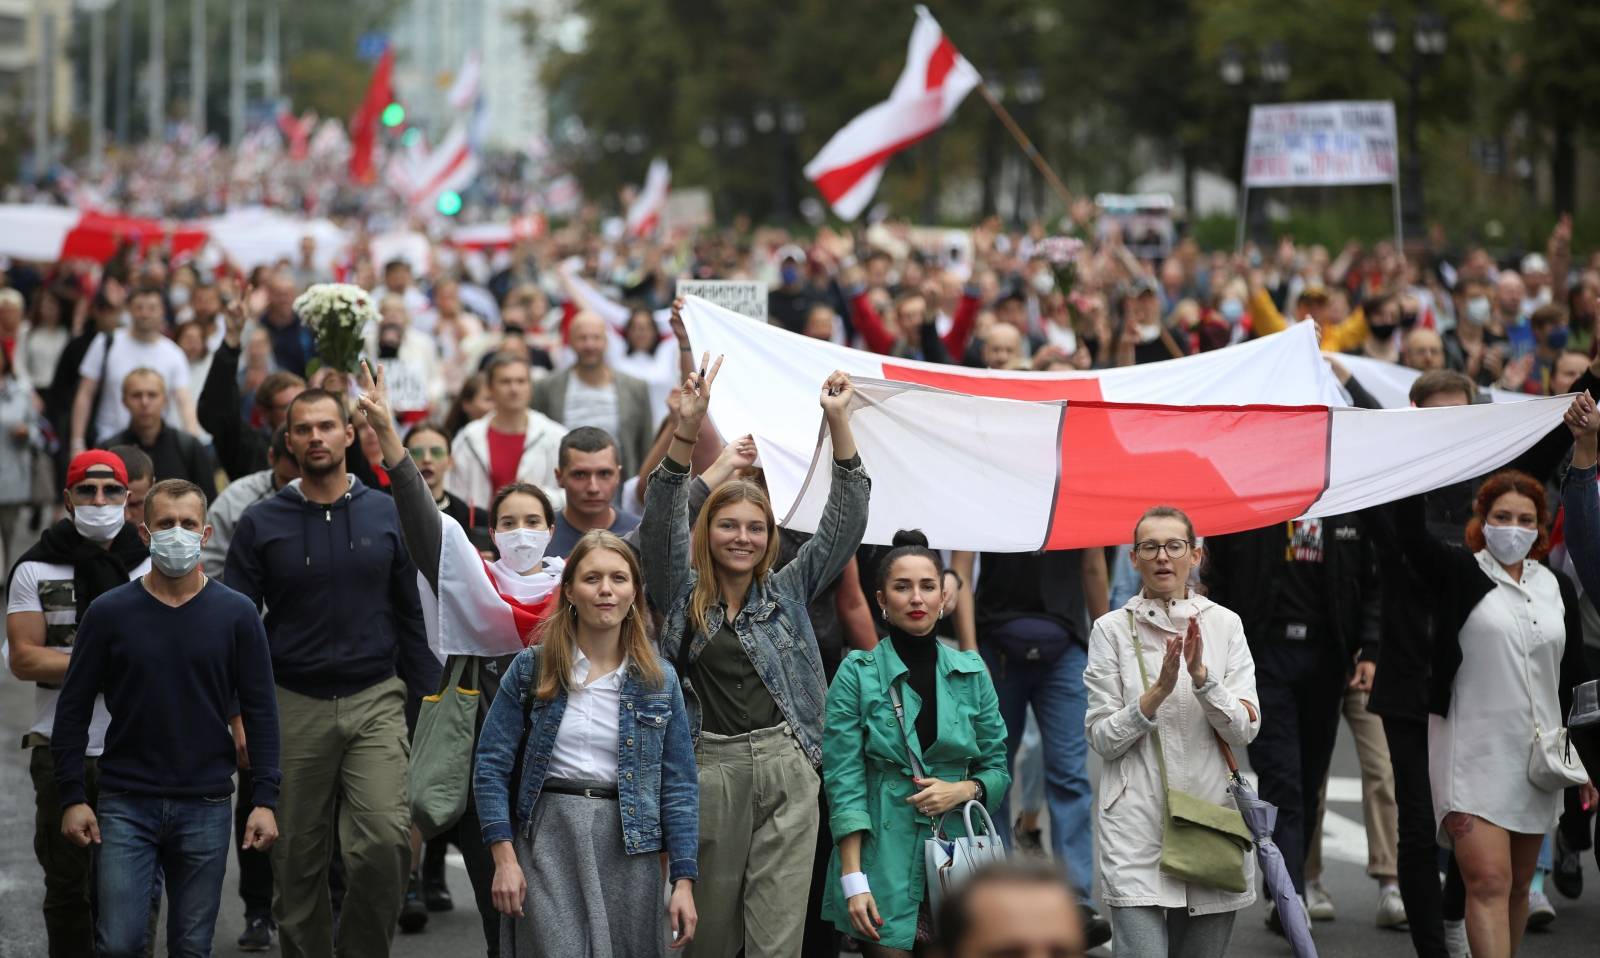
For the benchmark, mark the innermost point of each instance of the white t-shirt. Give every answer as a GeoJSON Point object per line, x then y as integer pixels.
{"type": "Point", "coordinates": [591, 406]}
{"type": "Point", "coordinates": [48, 587]}
{"type": "Point", "coordinates": [127, 354]}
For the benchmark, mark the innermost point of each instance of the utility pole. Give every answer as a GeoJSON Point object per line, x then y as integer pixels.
{"type": "Point", "coordinates": [157, 107]}
{"type": "Point", "coordinates": [42, 98]}
{"type": "Point", "coordinates": [197, 67]}
{"type": "Point", "coordinates": [124, 84]}
{"type": "Point", "coordinates": [236, 74]}
{"type": "Point", "coordinates": [97, 87]}
{"type": "Point", "coordinates": [269, 52]}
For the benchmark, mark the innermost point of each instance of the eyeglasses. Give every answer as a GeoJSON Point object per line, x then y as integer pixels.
{"type": "Point", "coordinates": [420, 453]}
{"type": "Point", "coordinates": [85, 492]}
{"type": "Point", "coordinates": [1174, 548]}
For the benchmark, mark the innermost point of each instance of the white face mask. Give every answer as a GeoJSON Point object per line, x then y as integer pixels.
{"type": "Point", "coordinates": [98, 523]}
{"type": "Point", "coordinates": [1043, 283]}
{"type": "Point", "coordinates": [1149, 334]}
{"type": "Point", "coordinates": [1509, 544]}
{"type": "Point", "coordinates": [522, 549]}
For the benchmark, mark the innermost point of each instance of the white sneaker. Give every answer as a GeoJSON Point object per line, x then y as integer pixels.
{"type": "Point", "coordinates": [1319, 905]}
{"type": "Point", "coordinates": [1391, 908]}
{"type": "Point", "coordinates": [1540, 912]}
{"type": "Point", "coordinates": [1455, 939]}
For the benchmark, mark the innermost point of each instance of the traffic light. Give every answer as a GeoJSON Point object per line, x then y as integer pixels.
{"type": "Point", "coordinates": [449, 202]}
{"type": "Point", "coordinates": [393, 115]}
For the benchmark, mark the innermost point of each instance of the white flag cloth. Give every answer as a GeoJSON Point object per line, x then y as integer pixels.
{"type": "Point", "coordinates": [644, 214]}
{"type": "Point", "coordinates": [485, 608]}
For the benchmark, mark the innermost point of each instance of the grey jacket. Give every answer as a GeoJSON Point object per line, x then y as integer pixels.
{"type": "Point", "coordinates": [634, 419]}
{"type": "Point", "coordinates": [772, 623]}
{"type": "Point", "coordinates": [224, 515]}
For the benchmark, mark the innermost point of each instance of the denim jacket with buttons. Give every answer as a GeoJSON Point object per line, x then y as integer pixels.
{"type": "Point", "coordinates": [658, 788]}
{"type": "Point", "coordinates": [773, 625]}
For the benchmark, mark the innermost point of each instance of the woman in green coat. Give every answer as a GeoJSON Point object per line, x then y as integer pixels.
{"type": "Point", "coordinates": [880, 815]}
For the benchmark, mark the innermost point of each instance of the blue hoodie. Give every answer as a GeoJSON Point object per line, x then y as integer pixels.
{"type": "Point", "coordinates": [340, 591]}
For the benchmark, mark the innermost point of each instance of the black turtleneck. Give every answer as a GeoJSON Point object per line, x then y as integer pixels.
{"type": "Point", "coordinates": [920, 653]}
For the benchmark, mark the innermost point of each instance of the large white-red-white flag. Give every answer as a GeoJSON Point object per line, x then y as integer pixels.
{"type": "Point", "coordinates": [644, 213]}
{"type": "Point", "coordinates": [935, 80]}
{"type": "Point", "coordinates": [1019, 461]}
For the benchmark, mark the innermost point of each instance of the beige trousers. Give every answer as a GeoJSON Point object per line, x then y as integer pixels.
{"type": "Point", "coordinates": [1377, 794]}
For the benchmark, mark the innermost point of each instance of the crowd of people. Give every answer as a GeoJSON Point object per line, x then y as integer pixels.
{"type": "Point", "coordinates": [701, 731]}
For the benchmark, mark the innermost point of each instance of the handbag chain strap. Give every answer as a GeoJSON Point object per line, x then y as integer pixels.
{"type": "Point", "coordinates": [917, 771]}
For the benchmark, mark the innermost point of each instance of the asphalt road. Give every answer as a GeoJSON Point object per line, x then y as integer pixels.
{"type": "Point", "coordinates": [1352, 935]}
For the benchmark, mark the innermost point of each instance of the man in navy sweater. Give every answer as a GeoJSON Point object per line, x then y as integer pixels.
{"type": "Point", "coordinates": [176, 655]}
{"type": "Point", "coordinates": [328, 559]}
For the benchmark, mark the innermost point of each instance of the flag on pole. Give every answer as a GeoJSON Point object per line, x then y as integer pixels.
{"type": "Point", "coordinates": [999, 475]}
{"type": "Point", "coordinates": [452, 165]}
{"type": "Point", "coordinates": [935, 80]}
{"type": "Point", "coordinates": [364, 126]}
{"type": "Point", "coordinates": [464, 91]}
{"type": "Point", "coordinates": [644, 214]}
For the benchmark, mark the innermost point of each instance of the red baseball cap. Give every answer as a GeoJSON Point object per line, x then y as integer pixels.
{"type": "Point", "coordinates": [93, 459]}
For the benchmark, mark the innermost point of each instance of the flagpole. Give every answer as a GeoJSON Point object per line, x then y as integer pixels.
{"type": "Point", "coordinates": [1027, 145]}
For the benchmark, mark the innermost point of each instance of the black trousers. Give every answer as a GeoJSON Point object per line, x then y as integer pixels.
{"type": "Point", "coordinates": [255, 868]}
{"type": "Point", "coordinates": [1418, 844]}
{"type": "Point", "coordinates": [822, 939]}
{"type": "Point", "coordinates": [1301, 686]}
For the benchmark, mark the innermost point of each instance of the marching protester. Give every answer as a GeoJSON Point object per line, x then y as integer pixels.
{"type": "Point", "coordinates": [241, 449]}
{"type": "Point", "coordinates": [1010, 910]}
{"type": "Point", "coordinates": [326, 557]}
{"type": "Point", "coordinates": [591, 393]}
{"type": "Point", "coordinates": [98, 409]}
{"type": "Point", "coordinates": [589, 471]}
{"type": "Point", "coordinates": [913, 732]}
{"type": "Point", "coordinates": [1171, 684]}
{"type": "Point", "coordinates": [521, 517]}
{"type": "Point", "coordinates": [20, 441]}
{"type": "Point", "coordinates": [737, 636]}
{"type": "Point", "coordinates": [429, 447]}
{"type": "Point", "coordinates": [90, 552]}
{"type": "Point", "coordinates": [585, 776]}
{"type": "Point", "coordinates": [175, 655]}
{"type": "Point", "coordinates": [514, 443]}
{"type": "Point", "coordinates": [1506, 657]}
{"type": "Point", "coordinates": [174, 454]}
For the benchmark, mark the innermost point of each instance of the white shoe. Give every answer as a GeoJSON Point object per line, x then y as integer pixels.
{"type": "Point", "coordinates": [1391, 908]}
{"type": "Point", "coordinates": [1319, 905]}
{"type": "Point", "coordinates": [1540, 912]}
{"type": "Point", "coordinates": [1455, 939]}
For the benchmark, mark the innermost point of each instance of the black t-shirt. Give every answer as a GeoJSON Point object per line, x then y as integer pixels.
{"type": "Point", "coordinates": [1302, 600]}
{"type": "Point", "coordinates": [1047, 585]}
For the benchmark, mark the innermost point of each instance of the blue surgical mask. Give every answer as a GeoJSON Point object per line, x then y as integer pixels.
{"type": "Point", "coordinates": [175, 551]}
{"type": "Point", "coordinates": [790, 274]}
{"type": "Point", "coordinates": [1232, 310]}
{"type": "Point", "coordinates": [1557, 337]}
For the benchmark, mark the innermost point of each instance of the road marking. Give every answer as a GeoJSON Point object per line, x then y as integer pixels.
{"type": "Point", "coordinates": [1343, 839]}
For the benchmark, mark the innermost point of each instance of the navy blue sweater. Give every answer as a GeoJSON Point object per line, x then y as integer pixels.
{"type": "Point", "coordinates": [172, 678]}
{"type": "Point", "coordinates": [340, 591]}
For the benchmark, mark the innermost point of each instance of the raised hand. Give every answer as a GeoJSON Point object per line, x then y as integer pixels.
{"type": "Point", "coordinates": [1581, 417]}
{"type": "Point", "coordinates": [374, 399]}
{"type": "Point", "coordinates": [1166, 680]}
{"type": "Point", "coordinates": [235, 312]}
{"type": "Point", "coordinates": [836, 393]}
{"type": "Point", "coordinates": [1193, 653]}
{"type": "Point", "coordinates": [694, 396]}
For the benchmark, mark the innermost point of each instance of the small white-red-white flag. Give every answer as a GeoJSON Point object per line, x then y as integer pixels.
{"type": "Point", "coordinates": [935, 80]}
{"type": "Point", "coordinates": [453, 165]}
{"type": "Point", "coordinates": [644, 214]}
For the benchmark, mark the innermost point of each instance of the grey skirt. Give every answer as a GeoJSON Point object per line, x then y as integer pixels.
{"type": "Point", "coordinates": [586, 898]}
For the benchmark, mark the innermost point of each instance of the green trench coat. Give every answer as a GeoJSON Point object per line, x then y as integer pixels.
{"type": "Point", "coordinates": [868, 776]}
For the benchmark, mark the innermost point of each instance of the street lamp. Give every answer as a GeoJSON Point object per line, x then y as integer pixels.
{"type": "Point", "coordinates": [734, 133]}
{"type": "Point", "coordinates": [708, 135]}
{"type": "Point", "coordinates": [1231, 65]}
{"type": "Point", "coordinates": [1275, 63]}
{"type": "Point", "coordinates": [794, 118]}
{"type": "Point", "coordinates": [764, 120]}
{"type": "Point", "coordinates": [1429, 40]}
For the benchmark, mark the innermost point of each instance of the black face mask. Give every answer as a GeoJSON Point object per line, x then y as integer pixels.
{"type": "Point", "coordinates": [1382, 330]}
{"type": "Point", "coordinates": [1408, 319]}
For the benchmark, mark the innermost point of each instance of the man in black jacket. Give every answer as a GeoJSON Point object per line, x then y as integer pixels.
{"type": "Point", "coordinates": [1307, 591]}
{"type": "Point", "coordinates": [242, 450]}
{"type": "Point", "coordinates": [327, 557]}
{"type": "Point", "coordinates": [173, 453]}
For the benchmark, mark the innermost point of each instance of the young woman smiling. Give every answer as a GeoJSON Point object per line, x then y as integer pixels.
{"type": "Point", "coordinates": [585, 774]}
{"type": "Point", "coordinates": [1168, 674]}
{"type": "Point", "coordinates": [751, 672]}
{"type": "Point", "coordinates": [880, 813]}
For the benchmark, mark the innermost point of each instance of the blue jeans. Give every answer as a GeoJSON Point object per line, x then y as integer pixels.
{"type": "Point", "coordinates": [1059, 701]}
{"type": "Point", "coordinates": [143, 838]}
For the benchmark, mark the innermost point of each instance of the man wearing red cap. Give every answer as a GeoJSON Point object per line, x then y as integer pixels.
{"type": "Point", "coordinates": [88, 553]}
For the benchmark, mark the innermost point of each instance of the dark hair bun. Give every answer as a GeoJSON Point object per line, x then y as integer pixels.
{"type": "Point", "coordinates": [909, 537]}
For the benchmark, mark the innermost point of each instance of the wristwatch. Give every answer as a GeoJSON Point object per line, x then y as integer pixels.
{"type": "Point", "coordinates": [979, 793]}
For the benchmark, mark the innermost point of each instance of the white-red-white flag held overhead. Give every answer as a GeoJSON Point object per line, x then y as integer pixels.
{"type": "Point", "coordinates": [452, 165]}
{"type": "Point", "coordinates": [935, 80]}
{"type": "Point", "coordinates": [1018, 461]}
{"type": "Point", "coordinates": [644, 214]}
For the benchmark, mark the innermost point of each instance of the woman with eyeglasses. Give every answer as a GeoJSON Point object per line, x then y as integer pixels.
{"type": "Point", "coordinates": [1169, 673]}
{"type": "Point", "coordinates": [463, 594]}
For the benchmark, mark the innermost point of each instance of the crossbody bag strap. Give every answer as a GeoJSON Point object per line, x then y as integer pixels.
{"type": "Point", "coordinates": [1144, 676]}
{"type": "Point", "coordinates": [917, 770]}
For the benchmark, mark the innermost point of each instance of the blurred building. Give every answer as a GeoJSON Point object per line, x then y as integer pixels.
{"type": "Point", "coordinates": [34, 66]}
{"type": "Point", "coordinates": [433, 38]}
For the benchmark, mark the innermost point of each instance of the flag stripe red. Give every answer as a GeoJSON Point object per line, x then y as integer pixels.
{"type": "Point", "coordinates": [1230, 468]}
{"type": "Point", "coordinates": [940, 63]}
{"type": "Point", "coordinates": [842, 179]}
{"type": "Point", "coordinates": [1024, 388]}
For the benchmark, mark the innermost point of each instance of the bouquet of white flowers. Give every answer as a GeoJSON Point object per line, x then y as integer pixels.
{"type": "Point", "coordinates": [337, 314]}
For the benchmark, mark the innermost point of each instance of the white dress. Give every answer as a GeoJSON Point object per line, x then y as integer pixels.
{"type": "Point", "coordinates": [1478, 754]}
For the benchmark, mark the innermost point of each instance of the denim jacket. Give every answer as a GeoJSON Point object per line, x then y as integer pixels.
{"type": "Point", "coordinates": [773, 625]}
{"type": "Point", "coordinates": [658, 788]}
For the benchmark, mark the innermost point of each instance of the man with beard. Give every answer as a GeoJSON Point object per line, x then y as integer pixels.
{"type": "Point", "coordinates": [327, 558]}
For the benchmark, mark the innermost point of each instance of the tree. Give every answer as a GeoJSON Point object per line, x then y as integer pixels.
{"type": "Point", "coordinates": [1557, 82]}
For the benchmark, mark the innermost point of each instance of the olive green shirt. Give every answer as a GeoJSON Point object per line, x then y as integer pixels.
{"type": "Point", "coordinates": [733, 699]}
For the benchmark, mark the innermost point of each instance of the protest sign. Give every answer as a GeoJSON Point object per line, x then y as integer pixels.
{"type": "Point", "coordinates": [1144, 219]}
{"type": "Point", "coordinates": [408, 390]}
{"type": "Point", "coordinates": [746, 297]}
{"type": "Point", "coordinates": [1346, 143]}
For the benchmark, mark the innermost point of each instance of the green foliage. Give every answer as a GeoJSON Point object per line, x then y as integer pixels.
{"type": "Point", "coordinates": [326, 82]}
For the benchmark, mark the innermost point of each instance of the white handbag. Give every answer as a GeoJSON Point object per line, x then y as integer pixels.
{"type": "Point", "coordinates": [947, 862]}
{"type": "Point", "coordinates": [1551, 764]}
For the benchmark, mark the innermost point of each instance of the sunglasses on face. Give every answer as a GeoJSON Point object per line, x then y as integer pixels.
{"type": "Point", "coordinates": [420, 453]}
{"type": "Point", "coordinates": [86, 492]}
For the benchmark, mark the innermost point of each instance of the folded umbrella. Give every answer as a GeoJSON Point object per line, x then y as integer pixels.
{"type": "Point", "coordinates": [1260, 817]}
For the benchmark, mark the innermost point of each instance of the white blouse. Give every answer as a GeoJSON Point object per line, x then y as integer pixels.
{"type": "Point", "coordinates": [586, 744]}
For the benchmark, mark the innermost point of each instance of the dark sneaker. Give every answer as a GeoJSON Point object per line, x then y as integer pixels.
{"type": "Point", "coordinates": [413, 914]}
{"type": "Point", "coordinates": [1027, 840]}
{"type": "Point", "coordinates": [1096, 930]}
{"type": "Point", "coordinates": [1568, 873]}
{"type": "Point", "coordinates": [436, 895]}
{"type": "Point", "coordinates": [259, 934]}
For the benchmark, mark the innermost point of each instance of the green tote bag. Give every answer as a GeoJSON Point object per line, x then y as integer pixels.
{"type": "Point", "coordinates": [441, 751]}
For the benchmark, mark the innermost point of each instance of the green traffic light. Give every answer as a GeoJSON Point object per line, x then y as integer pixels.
{"type": "Point", "coordinates": [449, 202]}
{"type": "Point", "coordinates": [394, 114]}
